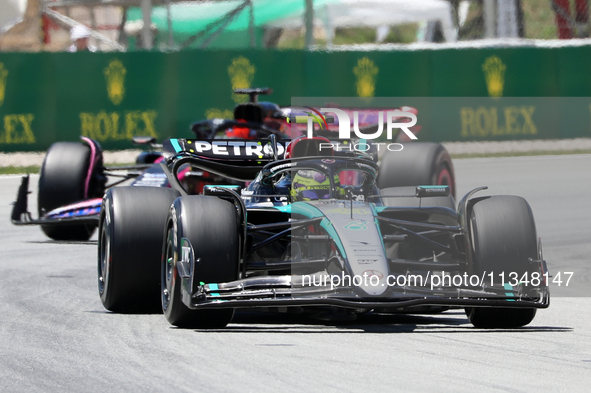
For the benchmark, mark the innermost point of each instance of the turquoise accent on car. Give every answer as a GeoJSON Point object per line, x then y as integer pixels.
{"type": "Point", "coordinates": [363, 145]}
{"type": "Point", "coordinates": [509, 287]}
{"type": "Point", "coordinates": [283, 209]}
{"type": "Point", "coordinates": [376, 209]}
{"type": "Point", "coordinates": [213, 287]}
{"type": "Point", "coordinates": [356, 226]}
{"type": "Point", "coordinates": [175, 145]}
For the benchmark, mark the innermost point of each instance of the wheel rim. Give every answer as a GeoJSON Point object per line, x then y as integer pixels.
{"type": "Point", "coordinates": [168, 270]}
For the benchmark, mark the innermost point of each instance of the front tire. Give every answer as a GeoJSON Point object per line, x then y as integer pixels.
{"type": "Point", "coordinates": [130, 238]}
{"type": "Point", "coordinates": [210, 225]}
{"type": "Point", "coordinates": [504, 237]}
{"type": "Point", "coordinates": [64, 179]}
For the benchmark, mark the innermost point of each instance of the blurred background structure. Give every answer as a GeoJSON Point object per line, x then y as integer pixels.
{"type": "Point", "coordinates": [128, 25]}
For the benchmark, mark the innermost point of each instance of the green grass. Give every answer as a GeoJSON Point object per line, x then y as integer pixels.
{"type": "Point", "coordinates": [13, 170]}
{"type": "Point", "coordinates": [539, 19]}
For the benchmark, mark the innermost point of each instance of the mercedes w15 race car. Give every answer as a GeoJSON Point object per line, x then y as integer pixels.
{"type": "Point", "coordinates": [313, 231]}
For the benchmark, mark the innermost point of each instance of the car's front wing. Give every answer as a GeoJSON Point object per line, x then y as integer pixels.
{"type": "Point", "coordinates": [84, 212]}
{"type": "Point", "coordinates": [277, 291]}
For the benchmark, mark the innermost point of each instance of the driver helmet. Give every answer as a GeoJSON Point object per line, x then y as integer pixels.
{"type": "Point", "coordinates": [241, 132]}
{"type": "Point", "coordinates": [309, 185]}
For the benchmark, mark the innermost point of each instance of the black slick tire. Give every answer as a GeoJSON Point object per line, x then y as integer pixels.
{"type": "Point", "coordinates": [131, 229]}
{"type": "Point", "coordinates": [210, 225]}
{"type": "Point", "coordinates": [62, 181]}
{"type": "Point", "coordinates": [504, 237]}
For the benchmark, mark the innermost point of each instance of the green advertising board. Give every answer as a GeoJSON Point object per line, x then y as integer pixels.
{"type": "Point", "coordinates": [110, 97]}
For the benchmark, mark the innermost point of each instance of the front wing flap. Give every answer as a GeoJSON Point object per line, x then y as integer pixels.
{"type": "Point", "coordinates": [85, 212]}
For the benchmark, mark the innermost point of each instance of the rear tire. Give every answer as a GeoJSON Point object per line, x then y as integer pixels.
{"type": "Point", "coordinates": [130, 243]}
{"type": "Point", "coordinates": [504, 237]}
{"type": "Point", "coordinates": [62, 181]}
{"type": "Point", "coordinates": [210, 224]}
{"type": "Point", "coordinates": [418, 164]}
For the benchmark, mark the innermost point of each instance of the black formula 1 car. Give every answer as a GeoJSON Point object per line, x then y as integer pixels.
{"type": "Point", "coordinates": [314, 231]}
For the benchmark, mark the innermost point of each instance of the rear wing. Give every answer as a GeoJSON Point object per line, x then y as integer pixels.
{"type": "Point", "coordinates": [238, 159]}
{"type": "Point", "coordinates": [208, 129]}
{"type": "Point", "coordinates": [237, 151]}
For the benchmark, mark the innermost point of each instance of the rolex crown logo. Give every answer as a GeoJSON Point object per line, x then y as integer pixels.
{"type": "Point", "coordinates": [115, 74]}
{"type": "Point", "coordinates": [3, 75]}
{"type": "Point", "coordinates": [494, 73]}
{"type": "Point", "coordinates": [241, 73]}
{"type": "Point", "coordinates": [366, 72]}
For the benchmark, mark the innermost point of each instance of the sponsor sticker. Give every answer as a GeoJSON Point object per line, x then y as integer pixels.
{"type": "Point", "coordinates": [356, 226]}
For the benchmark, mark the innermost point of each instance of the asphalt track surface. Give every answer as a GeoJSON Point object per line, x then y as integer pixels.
{"type": "Point", "coordinates": [56, 336]}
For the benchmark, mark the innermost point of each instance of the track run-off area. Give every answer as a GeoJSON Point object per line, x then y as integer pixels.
{"type": "Point", "coordinates": [56, 336]}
